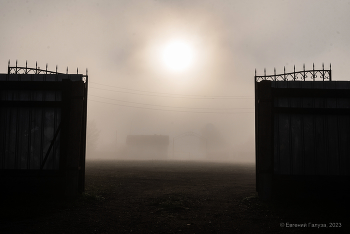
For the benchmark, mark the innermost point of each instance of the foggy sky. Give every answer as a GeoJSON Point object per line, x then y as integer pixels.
{"type": "Point", "coordinates": [118, 42]}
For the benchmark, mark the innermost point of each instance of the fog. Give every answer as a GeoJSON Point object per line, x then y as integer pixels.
{"type": "Point", "coordinates": [207, 111]}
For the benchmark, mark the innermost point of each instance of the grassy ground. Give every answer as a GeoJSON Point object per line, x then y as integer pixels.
{"type": "Point", "coordinates": [170, 197]}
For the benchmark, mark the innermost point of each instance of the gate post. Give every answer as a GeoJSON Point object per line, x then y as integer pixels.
{"type": "Point", "coordinates": [73, 128]}
{"type": "Point", "coordinates": [264, 141]}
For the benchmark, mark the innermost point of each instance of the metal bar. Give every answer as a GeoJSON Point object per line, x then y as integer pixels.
{"type": "Point", "coordinates": [30, 104]}
{"type": "Point", "coordinates": [83, 142]}
{"type": "Point", "coordinates": [347, 159]}
{"type": "Point", "coordinates": [27, 70]}
{"type": "Point", "coordinates": [272, 160]}
{"type": "Point", "coordinates": [30, 173]}
{"type": "Point", "coordinates": [51, 145]}
{"type": "Point", "coordinates": [255, 76]}
{"type": "Point", "coordinates": [264, 156]}
{"type": "Point", "coordinates": [256, 133]}
{"type": "Point", "coordinates": [324, 128]}
{"type": "Point", "coordinates": [4, 140]}
{"type": "Point", "coordinates": [339, 145]}
{"type": "Point", "coordinates": [55, 129]}
{"type": "Point", "coordinates": [290, 138]}
{"type": "Point", "coordinates": [313, 111]}
{"type": "Point", "coordinates": [30, 85]}
{"type": "Point", "coordinates": [29, 138]}
{"type": "Point", "coordinates": [294, 74]}
{"type": "Point", "coordinates": [283, 75]}
{"type": "Point", "coordinates": [322, 71]}
{"type": "Point", "coordinates": [11, 119]}
{"type": "Point", "coordinates": [65, 115]}
{"type": "Point", "coordinates": [5, 130]}
{"type": "Point", "coordinates": [314, 136]}
{"type": "Point", "coordinates": [277, 118]}
{"type": "Point", "coordinates": [42, 134]}
{"type": "Point", "coordinates": [17, 138]}
{"type": "Point", "coordinates": [300, 92]}
{"type": "Point", "coordinates": [303, 144]}
{"type": "Point", "coordinates": [325, 135]}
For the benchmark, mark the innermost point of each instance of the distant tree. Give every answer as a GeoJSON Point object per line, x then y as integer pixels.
{"type": "Point", "coordinates": [216, 145]}
{"type": "Point", "coordinates": [92, 136]}
{"type": "Point", "coordinates": [213, 136]}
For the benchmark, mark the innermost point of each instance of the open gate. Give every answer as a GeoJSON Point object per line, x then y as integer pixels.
{"type": "Point", "coordinates": [302, 129]}
{"type": "Point", "coordinates": [42, 131]}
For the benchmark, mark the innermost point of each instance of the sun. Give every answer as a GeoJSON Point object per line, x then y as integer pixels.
{"type": "Point", "coordinates": [177, 56]}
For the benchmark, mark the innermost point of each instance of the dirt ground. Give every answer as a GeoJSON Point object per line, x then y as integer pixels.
{"type": "Point", "coordinates": [171, 197]}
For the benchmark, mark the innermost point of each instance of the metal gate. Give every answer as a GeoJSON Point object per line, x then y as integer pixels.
{"type": "Point", "coordinates": [302, 132]}
{"type": "Point", "coordinates": [42, 130]}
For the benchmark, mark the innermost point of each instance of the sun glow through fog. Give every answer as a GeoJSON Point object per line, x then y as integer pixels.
{"type": "Point", "coordinates": [177, 56]}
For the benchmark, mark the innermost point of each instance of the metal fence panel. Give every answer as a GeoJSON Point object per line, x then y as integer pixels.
{"type": "Point", "coordinates": [42, 130]}
{"type": "Point", "coordinates": [26, 135]}
{"type": "Point", "coordinates": [314, 144]}
{"type": "Point", "coordinates": [309, 133]}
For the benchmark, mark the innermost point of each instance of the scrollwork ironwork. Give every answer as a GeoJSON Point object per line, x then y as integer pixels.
{"type": "Point", "coordinates": [304, 75]}
{"type": "Point", "coordinates": [36, 70]}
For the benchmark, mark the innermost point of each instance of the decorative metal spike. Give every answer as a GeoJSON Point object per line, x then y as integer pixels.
{"type": "Point", "coordinates": [26, 63]}
{"type": "Point", "coordinates": [16, 62]}
{"type": "Point", "coordinates": [264, 71]}
{"type": "Point", "coordinates": [77, 71]}
{"type": "Point", "coordinates": [313, 66]}
{"type": "Point", "coordinates": [294, 74]}
{"type": "Point", "coordinates": [56, 69]}
{"type": "Point", "coordinates": [67, 69]}
{"type": "Point", "coordinates": [9, 63]}
{"type": "Point", "coordinates": [87, 71]}
{"type": "Point", "coordinates": [284, 70]}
